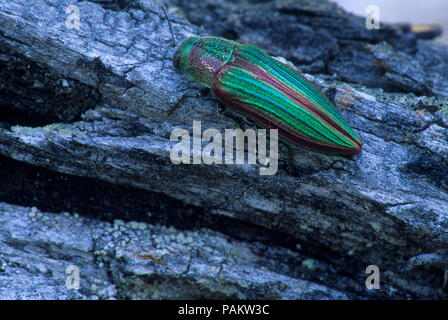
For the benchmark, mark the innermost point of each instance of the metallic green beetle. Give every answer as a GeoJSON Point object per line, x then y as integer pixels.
{"type": "Point", "coordinates": [250, 82]}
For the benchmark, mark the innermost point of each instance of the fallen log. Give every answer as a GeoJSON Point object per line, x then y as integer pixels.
{"type": "Point", "coordinates": [101, 101]}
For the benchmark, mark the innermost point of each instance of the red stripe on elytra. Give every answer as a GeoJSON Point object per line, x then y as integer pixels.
{"type": "Point", "coordinates": [300, 100]}
{"type": "Point", "coordinates": [285, 132]}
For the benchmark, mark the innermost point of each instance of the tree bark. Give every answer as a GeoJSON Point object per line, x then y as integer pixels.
{"type": "Point", "coordinates": [101, 101]}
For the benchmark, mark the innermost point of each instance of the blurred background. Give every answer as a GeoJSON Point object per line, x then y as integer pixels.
{"type": "Point", "coordinates": [412, 11]}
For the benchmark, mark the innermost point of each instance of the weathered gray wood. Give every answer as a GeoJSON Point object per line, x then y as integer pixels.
{"type": "Point", "coordinates": [139, 261]}
{"type": "Point", "coordinates": [387, 207]}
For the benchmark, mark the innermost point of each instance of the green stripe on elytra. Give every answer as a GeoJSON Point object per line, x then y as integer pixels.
{"type": "Point", "coordinates": [258, 57]}
{"type": "Point", "coordinates": [286, 108]}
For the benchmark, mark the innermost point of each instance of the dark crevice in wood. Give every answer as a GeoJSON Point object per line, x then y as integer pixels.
{"type": "Point", "coordinates": [31, 95]}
